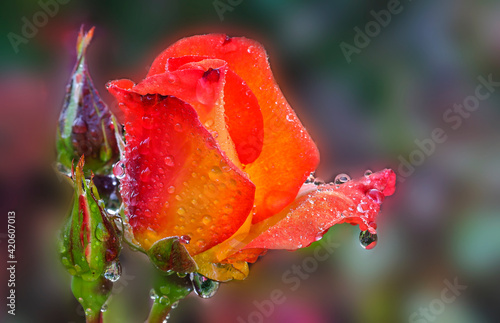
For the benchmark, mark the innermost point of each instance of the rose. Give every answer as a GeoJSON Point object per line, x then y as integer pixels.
{"type": "Point", "coordinates": [216, 157]}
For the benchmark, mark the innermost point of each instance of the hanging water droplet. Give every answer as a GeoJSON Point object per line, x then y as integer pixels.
{"type": "Point", "coordinates": [166, 318]}
{"type": "Point", "coordinates": [368, 172]}
{"type": "Point", "coordinates": [104, 308]}
{"type": "Point", "coordinates": [185, 239]}
{"type": "Point", "coordinates": [204, 287]}
{"type": "Point", "coordinates": [367, 239]}
{"type": "Point", "coordinates": [113, 271]}
{"type": "Point", "coordinates": [342, 178]}
{"type": "Point", "coordinates": [181, 275]}
{"type": "Point", "coordinates": [119, 170]}
{"type": "Point", "coordinates": [152, 294]}
{"type": "Point", "coordinates": [175, 304]}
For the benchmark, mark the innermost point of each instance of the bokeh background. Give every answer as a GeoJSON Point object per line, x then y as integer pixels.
{"type": "Point", "coordinates": [442, 224]}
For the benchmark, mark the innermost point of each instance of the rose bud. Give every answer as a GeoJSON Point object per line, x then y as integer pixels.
{"type": "Point", "coordinates": [89, 245]}
{"type": "Point", "coordinates": [85, 123]}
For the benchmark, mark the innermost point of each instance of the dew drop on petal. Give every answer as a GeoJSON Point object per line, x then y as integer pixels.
{"type": "Point", "coordinates": [375, 195]}
{"type": "Point", "coordinates": [367, 239]}
{"type": "Point", "coordinates": [342, 178]}
{"type": "Point", "coordinates": [119, 170]}
{"type": "Point", "coordinates": [169, 161]}
{"type": "Point", "coordinates": [207, 219]}
{"type": "Point", "coordinates": [368, 172]}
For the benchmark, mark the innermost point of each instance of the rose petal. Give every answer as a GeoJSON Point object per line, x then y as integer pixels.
{"type": "Point", "coordinates": [288, 154]}
{"type": "Point", "coordinates": [312, 214]}
{"type": "Point", "coordinates": [243, 116]}
{"type": "Point", "coordinates": [178, 182]}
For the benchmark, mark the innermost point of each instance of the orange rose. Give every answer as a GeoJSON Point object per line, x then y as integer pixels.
{"type": "Point", "coordinates": [216, 157]}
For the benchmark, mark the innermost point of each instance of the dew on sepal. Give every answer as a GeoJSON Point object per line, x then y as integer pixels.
{"type": "Point", "coordinates": [341, 179]}
{"type": "Point", "coordinates": [367, 239]}
{"type": "Point", "coordinates": [152, 294]}
{"type": "Point", "coordinates": [204, 287]}
{"type": "Point", "coordinates": [185, 239]}
{"type": "Point", "coordinates": [101, 233]}
{"type": "Point", "coordinates": [164, 300]}
{"type": "Point", "coordinates": [113, 271]}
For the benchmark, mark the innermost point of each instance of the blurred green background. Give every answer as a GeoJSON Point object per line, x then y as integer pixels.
{"type": "Point", "coordinates": [443, 223]}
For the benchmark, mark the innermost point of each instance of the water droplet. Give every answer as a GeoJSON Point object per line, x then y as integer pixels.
{"type": "Point", "coordinates": [204, 287]}
{"type": "Point", "coordinates": [113, 271]}
{"type": "Point", "coordinates": [375, 195]}
{"type": "Point", "coordinates": [101, 233]}
{"type": "Point", "coordinates": [175, 304]}
{"type": "Point", "coordinates": [185, 239]}
{"type": "Point", "coordinates": [145, 175]}
{"type": "Point", "coordinates": [181, 211]}
{"type": "Point", "coordinates": [311, 178]}
{"type": "Point", "coordinates": [171, 189]}
{"type": "Point", "coordinates": [169, 161]}
{"type": "Point", "coordinates": [368, 172]}
{"type": "Point", "coordinates": [164, 300]}
{"type": "Point", "coordinates": [178, 127]}
{"type": "Point", "coordinates": [206, 219]}
{"type": "Point", "coordinates": [342, 178]}
{"type": "Point", "coordinates": [152, 294]}
{"type": "Point", "coordinates": [119, 170]}
{"type": "Point", "coordinates": [201, 243]}
{"type": "Point", "coordinates": [147, 122]}
{"type": "Point", "coordinates": [209, 123]}
{"type": "Point", "coordinates": [214, 173]}
{"type": "Point", "coordinates": [79, 126]}
{"type": "Point", "coordinates": [367, 239]}
{"type": "Point", "coordinates": [88, 311]}
{"type": "Point", "coordinates": [104, 308]}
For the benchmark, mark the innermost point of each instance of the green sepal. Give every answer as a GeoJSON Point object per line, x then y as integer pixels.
{"type": "Point", "coordinates": [89, 240]}
{"type": "Point", "coordinates": [168, 255]}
